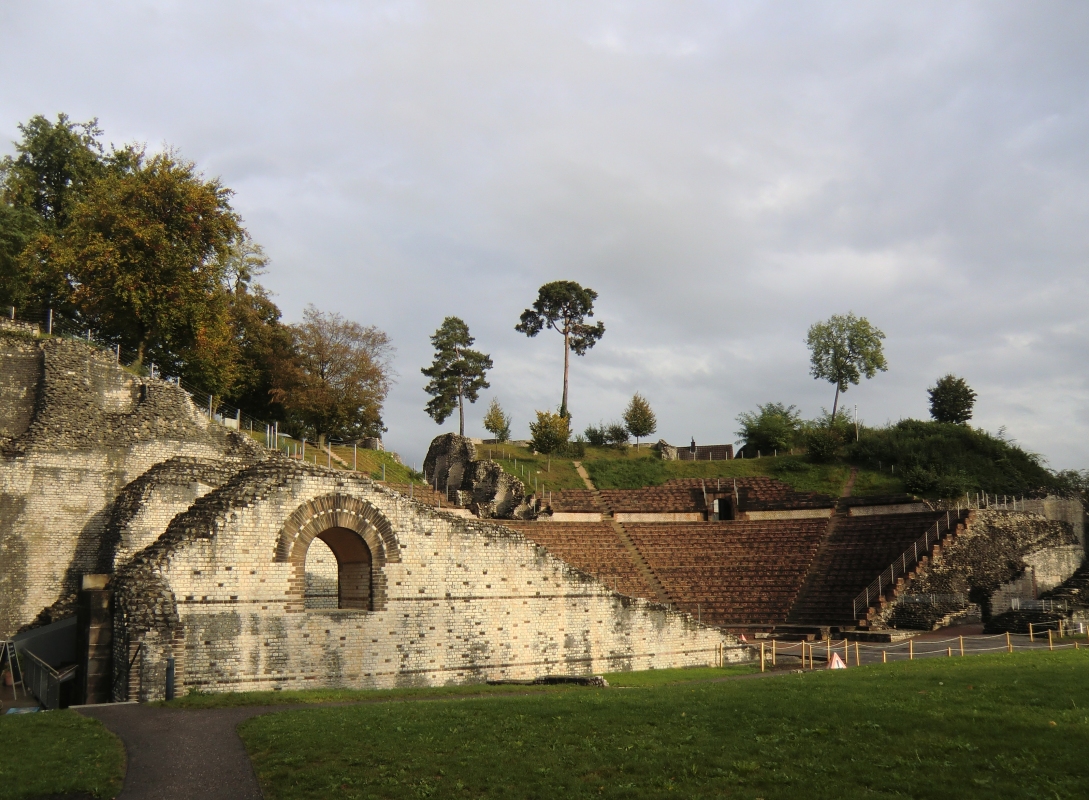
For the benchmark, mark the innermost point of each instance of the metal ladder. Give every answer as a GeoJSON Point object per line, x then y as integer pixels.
{"type": "Point", "coordinates": [7, 653]}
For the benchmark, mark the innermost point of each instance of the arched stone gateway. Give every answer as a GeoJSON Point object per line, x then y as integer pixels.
{"type": "Point", "coordinates": [359, 537]}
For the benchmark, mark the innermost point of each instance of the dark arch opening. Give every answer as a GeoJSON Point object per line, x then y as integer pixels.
{"type": "Point", "coordinates": [352, 571]}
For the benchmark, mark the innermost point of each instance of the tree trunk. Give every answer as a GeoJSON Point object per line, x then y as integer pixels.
{"type": "Point", "coordinates": [834, 404]}
{"type": "Point", "coordinates": [461, 408]}
{"type": "Point", "coordinates": [140, 353]}
{"type": "Point", "coordinates": [566, 366]}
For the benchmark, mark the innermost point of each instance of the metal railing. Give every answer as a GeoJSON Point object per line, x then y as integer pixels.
{"type": "Point", "coordinates": [43, 681]}
{"type": "Point", "coordinates": [1026, 604]}
{"type": "Point", "coordinates": [908, 559]}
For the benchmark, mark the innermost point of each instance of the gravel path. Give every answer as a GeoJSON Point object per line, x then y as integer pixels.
{"type": "Point", "coordinates": [182, 754]}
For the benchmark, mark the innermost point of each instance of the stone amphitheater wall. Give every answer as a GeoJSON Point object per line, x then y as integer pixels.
{"type": "Point", "coordinates": [454, 601]}
{"type": "Point", "coordinates": [91, 428]}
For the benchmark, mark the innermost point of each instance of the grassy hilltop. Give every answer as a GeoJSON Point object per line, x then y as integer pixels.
{"type": "Point", "coordinates": [927, 459]}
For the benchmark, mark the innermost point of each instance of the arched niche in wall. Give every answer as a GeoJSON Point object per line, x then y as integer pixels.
{"type": "Point", "coordinates": [359, 538]}
{"type": "Point", "coordinates": [338, 571]}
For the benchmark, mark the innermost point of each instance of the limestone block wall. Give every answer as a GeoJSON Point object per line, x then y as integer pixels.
{"type": "Point", "coordinates": [93, 429]}
{"type": "Point", "coordinates": [144, 508]}
{"type": "Point", "coordinates": [453, 600]}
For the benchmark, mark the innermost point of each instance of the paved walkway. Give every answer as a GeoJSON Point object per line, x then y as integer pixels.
{"type": "Point", "coordinates": [183, 754]}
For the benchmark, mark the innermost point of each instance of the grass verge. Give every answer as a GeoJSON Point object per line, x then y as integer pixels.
{"type": "Point", "coordinates": [234, 699]}
{"type": "Point", "coordinates": [57, 753]}
{"type": "Point", "coordinates": [987, 726]}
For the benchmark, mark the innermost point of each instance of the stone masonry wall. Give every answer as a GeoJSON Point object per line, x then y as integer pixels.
{"type": "Point", "coordinates": [454, 600]}
{"type": "Point", "coordinates": [994, 549]}
{"type": "Point", "coordinates": [93, 429]}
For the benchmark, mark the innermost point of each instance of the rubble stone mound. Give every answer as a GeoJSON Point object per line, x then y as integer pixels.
{"type": "Point", "coordinates": [481, 486]}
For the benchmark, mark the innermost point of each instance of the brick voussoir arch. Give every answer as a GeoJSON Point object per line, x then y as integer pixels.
{"type": "Point", "coordinates": [337, 511]}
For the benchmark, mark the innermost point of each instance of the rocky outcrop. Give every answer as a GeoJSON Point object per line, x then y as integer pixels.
{"type": "Point", "coordinates": [481, 486]}
{"type": "Point", "coordinates": [493, 493]}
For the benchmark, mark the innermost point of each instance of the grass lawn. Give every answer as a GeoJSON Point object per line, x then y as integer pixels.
{"type": "Point", "coordinates": [58, 752]}
{"type": "Point", "coordinates": [1006, 726]}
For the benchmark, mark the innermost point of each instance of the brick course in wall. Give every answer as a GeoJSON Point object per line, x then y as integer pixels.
{"type": "Point", "coordinates": [453, 600]}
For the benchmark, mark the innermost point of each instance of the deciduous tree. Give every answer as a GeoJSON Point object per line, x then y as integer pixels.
{"type": "Point", "coordinates": [564, 306]}
{"type": "Point", "coordinates": [457, 374]}
{"type": "Point", "coordinates": [342, 379]}
{"type": "Point", "coordinates": [639, 419]}
{"type": "Point", "coordinates": [550, 432]}
{"type": "Point", "coordinates": [951, 400]}
{"type": "Point", "coordinates": [497, 422]}
{"type": "Point", "coordinates": [772, 427]}
{"type": "Point", "coordinates": [843, 349]}
{"type": "Point", "coordinates": [146, 250]}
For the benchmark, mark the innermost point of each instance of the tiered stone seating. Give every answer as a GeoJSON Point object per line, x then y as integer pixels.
{"type": "Point", "coordinates": [858, 549]}
{"type": "Point", "coordinates": [571, 500]}
{"type": "Point", "coordinates": [671, 497]}
{"type": "Point", "coordinates": [687, 495]}
{"type": "Point", "coordinates": [768, 494]}
{"type": "Point", "coordinates": [730, 573]}
{"type": "Point", "coordinates": [591, 547]}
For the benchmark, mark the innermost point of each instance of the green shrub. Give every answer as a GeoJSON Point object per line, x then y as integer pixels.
{"type": "Point", "coordinates": [772, 427]}
{"type": "Point", "coordinates": [575, 448]}
{"type": "Point", "coordinates": [550, 432]}
{"type": "Point", "coordinates": [615, 434]}
{"type": "Point", "coordinates": [823, 444]}
{"type": "Point", "coordinates": [947, 459]}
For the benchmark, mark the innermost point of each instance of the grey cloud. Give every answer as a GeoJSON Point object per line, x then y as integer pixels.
{"type": "Point", "coordinates": [722, 175]}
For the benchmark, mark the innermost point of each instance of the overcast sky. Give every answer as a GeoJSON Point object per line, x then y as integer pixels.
{"type": "Point", "coordinates": [722, 174]}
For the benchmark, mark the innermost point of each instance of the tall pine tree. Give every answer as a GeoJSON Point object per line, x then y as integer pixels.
{"type": "Point", "coordinates": [457, 374]}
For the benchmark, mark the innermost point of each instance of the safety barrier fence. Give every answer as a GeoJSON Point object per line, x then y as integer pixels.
{"type": "Point", "coordinates": [43, 681]}
{"type": "Point", "coordinates": [855, 653]}
{"type": "Point", "coordinates": [906, 561]}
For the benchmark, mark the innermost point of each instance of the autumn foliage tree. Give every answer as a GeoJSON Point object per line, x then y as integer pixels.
{"type": "Point", "coordinates": [339, 379]}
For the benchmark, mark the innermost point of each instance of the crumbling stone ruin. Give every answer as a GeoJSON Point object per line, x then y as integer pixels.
{"type": "Point", "coordinates": [180, 542]}
{"type": "Point", "coordinates": [196, 547]}
{"type": "Point", "coordinates": [75, 429]}
{"type": "Point", "coordinates": [481, 486]}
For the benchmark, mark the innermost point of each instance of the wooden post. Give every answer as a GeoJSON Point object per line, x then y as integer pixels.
{"type": "Point", "coordinates": [1050, 643]}
{"type": "Point", "coordinates": [1009, 643]}
{"type": "Point", "coordinates": [1032, 636]}
{"type": "Point", "coordinates": [949, 652]}
{"type": "Point", "coordinates": [828, 651]}
{"type": "Point", "coordinates": [846, 653]}
{"type": "Point", "coordinates": [911, 649]}
{"type": "Point", "coordinates": [773, 652]}
{"type": "Point", "coordinates": [884, 656]}
{"type": "Point", "coordinates": [858, 661]}
{"type": "Point", "coordinates": [961, 638]}
{"type": "Point", "coordinates": [762, 656]}
{"type": "Point", "coordinates": [355, 456]}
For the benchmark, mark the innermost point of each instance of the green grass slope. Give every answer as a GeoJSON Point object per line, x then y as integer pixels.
{"type": "Point", "coordinates": [980, 727]}
{"type": "Point", "coordinates": [945, 460]}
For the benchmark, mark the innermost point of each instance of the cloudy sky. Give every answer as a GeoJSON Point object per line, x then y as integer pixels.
{"type": "Point", "coordinates": [722, 174]}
